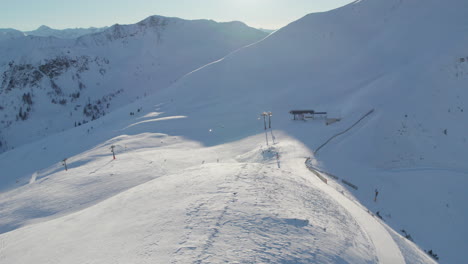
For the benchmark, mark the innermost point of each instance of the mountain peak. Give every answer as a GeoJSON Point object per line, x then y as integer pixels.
{"type": "Point", "coordinates": [43, 27]}
{"type": "Point", "coordinates": [154, 21]}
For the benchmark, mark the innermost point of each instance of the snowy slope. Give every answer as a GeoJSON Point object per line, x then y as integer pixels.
{"type": "Point", "coordinates": [68, 33]}
{"type": "Point", "coordinates": [353, 60]}
{"type": "Point", "coordinates": [9, 34]}
{"type": "Point", "coordinates": [49, 85]}
{"type": "Point", "coordinates": [231, 203]}
{"type": "Point", "coordinates": [405, 59]}
{"type": "Point", "coordinates": [391, 56]}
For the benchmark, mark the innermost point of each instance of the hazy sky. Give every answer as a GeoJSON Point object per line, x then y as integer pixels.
{"type": "Point", "coordinates": [271, 14]}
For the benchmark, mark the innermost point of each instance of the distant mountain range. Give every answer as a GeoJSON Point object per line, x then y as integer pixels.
{"type": "Point", "coordinates": [52, 80]}
{"type": "Point", "coordinates": [45, 31]}
{"type": "Point", "coordinates": [69, 33]}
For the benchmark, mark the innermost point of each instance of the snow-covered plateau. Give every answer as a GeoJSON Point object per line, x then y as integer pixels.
{"type": "Point", "coordinates": [198, 179]}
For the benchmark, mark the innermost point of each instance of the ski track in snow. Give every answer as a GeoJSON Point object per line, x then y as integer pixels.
{"type": "Point", "coordinates": [210, 218]}
{"type": "Point", "coordinates": [200, 210]}
{"type": "Point", "coordinates": [246, 211]}
{"type": "Point", "coordinates": [386, 248]}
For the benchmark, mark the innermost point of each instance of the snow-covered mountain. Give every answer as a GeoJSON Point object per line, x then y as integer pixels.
{"type": "Point", "coordinates": [405, 59]}
{"type": "Point", "coordinates": [49, 85]}
{"type": "Point", "coordinates": [68, 33]}
{"type": "Point", "coordinates": [197, 179]}
{"type": "Point", "coordinates": [9, 33]}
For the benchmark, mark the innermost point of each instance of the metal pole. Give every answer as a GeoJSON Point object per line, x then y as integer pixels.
{"type": "Point", "coordinates": [269, 119]}
{"type": "Point", "coordinates": [264, 114]}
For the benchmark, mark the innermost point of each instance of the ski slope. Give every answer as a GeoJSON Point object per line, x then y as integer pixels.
{"type": "Point", "coordinates": [196, 181]}
{"type": "Point", "coordinates": [386, 249]}
{"type": "Point", "coordinates": [229, 203]}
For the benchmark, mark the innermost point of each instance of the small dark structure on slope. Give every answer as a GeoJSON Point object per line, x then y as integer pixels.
{"type": "Point", "coordinates": [302, 114]}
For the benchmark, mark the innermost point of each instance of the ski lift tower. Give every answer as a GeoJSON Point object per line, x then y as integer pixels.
{"type": "Point", "coordinates": [264, 114]}
{"type": "Point", "coordinates": [269, 119]}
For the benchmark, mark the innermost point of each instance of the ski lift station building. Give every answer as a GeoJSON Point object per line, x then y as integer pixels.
{"type": "Point", "coordinates": [302, 114]}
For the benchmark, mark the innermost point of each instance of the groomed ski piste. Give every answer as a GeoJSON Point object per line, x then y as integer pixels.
{"type": "Point", "coordinates": [197, 178]}
{"type": "Point", "coordinates": [167, 199]}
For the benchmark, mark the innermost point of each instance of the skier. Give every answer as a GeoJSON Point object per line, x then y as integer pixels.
{"type": "Point", "coordinates": [376, 194]}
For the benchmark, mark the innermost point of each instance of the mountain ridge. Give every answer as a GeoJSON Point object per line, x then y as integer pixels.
{"type": "Point", "coordinates": [86, 74]}
{"type": "Point", "coordinates": [67, 33]}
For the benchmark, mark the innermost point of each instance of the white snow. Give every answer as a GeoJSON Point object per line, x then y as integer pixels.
{"type": "Point", "coordinates": [9, 34]}
{"type": "Point", "coordinates": [198, 180]}
{"type": "Point", "coordinates": [72, 81]}
{"type": "Point", "coordinates": [191, 208]}
{"type": "Point", "coordinates": [386, 249]}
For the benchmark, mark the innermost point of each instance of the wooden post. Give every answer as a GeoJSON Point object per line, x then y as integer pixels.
{"type": "Point", "coordinates": [65, 164]}
{"type": "Point", "coordinates": [112, 149]}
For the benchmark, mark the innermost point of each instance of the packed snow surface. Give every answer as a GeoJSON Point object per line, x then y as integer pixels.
{"type": "Point", "coordinates": [234, 202]}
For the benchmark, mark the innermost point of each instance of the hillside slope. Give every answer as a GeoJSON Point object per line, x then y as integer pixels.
{"type": "Point", "coordinates": [234, 202]}
{"type": "Point", "coordinates": [404, 59]}
{"type": "Point", "coordinates": [48, 85]}
{"type": "Point", "coordinates": [9, 33]}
